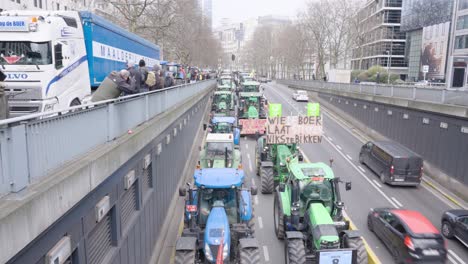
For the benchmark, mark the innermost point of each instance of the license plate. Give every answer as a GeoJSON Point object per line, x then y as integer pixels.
{"type": "Point", "coordinates": [430, 252]}
{"type": "Point", "coordinates": [191, 208]}
{"type": "Point", "coordinates": [399, 180]}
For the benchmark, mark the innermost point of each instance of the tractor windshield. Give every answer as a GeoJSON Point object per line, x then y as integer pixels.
{"type": "Point", "coordinates": [225, 82]}
{"type": "Point", "coordinates": [251, 101]}
{"type": "Point", "coordinates": [316, 189]}
{"type": "Point", "coordinates": [219, 149]}
{"type": "Point", "coordinates": [222, 128]}
{"type": "Point", "coordinates": [251, 88]}
{"type": "Point", "coordinates": [216, 197]}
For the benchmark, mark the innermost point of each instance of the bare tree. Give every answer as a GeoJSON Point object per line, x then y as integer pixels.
{"type": "Point", "coordinates": [131, 10]}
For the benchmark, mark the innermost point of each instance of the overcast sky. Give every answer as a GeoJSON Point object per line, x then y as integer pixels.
{"type": "Point", "coordinates": [239, 10]}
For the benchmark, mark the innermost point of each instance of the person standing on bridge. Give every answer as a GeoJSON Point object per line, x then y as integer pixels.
{"type": "Point", "coordinates": [144, 75]}
{"type": "Point", "coordinates": [134, 74]}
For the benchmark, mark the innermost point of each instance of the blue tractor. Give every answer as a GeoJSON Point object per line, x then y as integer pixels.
{"type": "Point", "coordinates": [219, 220]}
{"type": "Point", "coordinates": [224, 125]}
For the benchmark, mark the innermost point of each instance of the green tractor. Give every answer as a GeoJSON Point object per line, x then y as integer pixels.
{"type": "Point", "coordinates": [226, 84]}
{"type": "Point", "coordinates": [220, 152]}
{"type": "Point", "coordinates": [308, 215]}
{"type": "Point", "coordinates": [250, 86]}
{"type": "Point", "coordinates": [252, 113]}
{"type": "Point", "coordinates": [270, 160]}
{"type": "Point", "coordinates": [223, 103]}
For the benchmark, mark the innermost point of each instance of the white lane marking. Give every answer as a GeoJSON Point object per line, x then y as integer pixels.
{"type": "Point", "coordinates": [250, 166]}
{"type": "Point", "coordinates": [265, 253]}
{"type": "Point", "coordinates": [349, 157]}
{"type": "Point", "coordinates": [448, 203]}
{"type": "Point", "coordinates": [256, 200]}
{"type": "Point", "coordinates": [363, 170]}
{"type": "Point", "coordinates": [253, 181]}
{"type": "Point", "coordinates": [246, 146]}
{"type": "Point", "coordinates": [248, 156]}
{"type": "Point", "coordinates": [330, 138]}
{"type": "Point", "coordinates": [260, 222]}
{"type": "Point", "coordinates": [338, 146]}
{"type": "Point", "coordinates": [355, 167]}
{"type": "Point", "coordinates": [456, 256]}
{"type": "Point", "coordinates": [397, 202]}
{"type": "Point", "coordinates": [377, 183]}
{"type": "Point", "coordinates": [451, 259]}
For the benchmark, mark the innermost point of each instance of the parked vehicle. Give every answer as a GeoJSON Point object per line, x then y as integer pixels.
{"type": "Point", "coordinates": [52, 59]}
{"type": "Point", "coordinates": [300, 95]}
{"type": "Point", "coordinates": [455, 225]}
{"type": "Point", "coordinates": [409, 236]}
{"type": "Point", "coordinates": [395, 164]}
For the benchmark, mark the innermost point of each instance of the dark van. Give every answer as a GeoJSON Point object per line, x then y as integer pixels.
{"type": "Point", "coordinates": [395, 164]}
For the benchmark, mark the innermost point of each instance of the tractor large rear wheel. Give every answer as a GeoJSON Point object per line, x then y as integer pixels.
{"type": "Point", "coordinates": [249, 256]}
{"type": "Point", "coordinates": [358, 244]}
{"type": "Point", "coordinates": [251, 223]}
{"type": "Point", "coordinates": [184, 257]}
{"type": "Point", "coordinates": [295, 251]}
{"type": "Point", "coordinates": [278, 217]}
{"type": "Point", "coordinates": [268, 180]}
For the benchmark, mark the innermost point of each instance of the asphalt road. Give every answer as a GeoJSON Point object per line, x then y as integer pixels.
{"type": "Point", "coordinates": [343, 145]}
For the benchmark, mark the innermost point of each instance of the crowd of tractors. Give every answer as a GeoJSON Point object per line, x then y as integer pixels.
{"type": "Point", "coordinates": [219, 221]}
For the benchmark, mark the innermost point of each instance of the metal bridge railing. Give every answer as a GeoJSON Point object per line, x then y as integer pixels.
{"type": "Point", "coordinates": [33, 145]}
{"type": "Point", "coordinates": [425, 94]}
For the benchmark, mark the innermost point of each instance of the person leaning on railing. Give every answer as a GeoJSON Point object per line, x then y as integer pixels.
{"type": "Point", "coordinates": [3, 98]}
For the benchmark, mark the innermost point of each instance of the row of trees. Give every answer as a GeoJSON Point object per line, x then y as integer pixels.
{"type": "Point", "coordinates": [177, 26]}
{"type": "Point", "coordinates": [324, 33]}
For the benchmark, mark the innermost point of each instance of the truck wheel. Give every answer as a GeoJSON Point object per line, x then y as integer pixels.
{"type": "Point", "coordinates": [295, 251]}
{"type": "Point", "coordinates": [184, 256]}
{"type": "Point", "coordinates": [358, 244]}
{"type": "Point", "coordinates": [249, 256]}
{"type": "Point", "coordinates": [268, 181]}
{"type": "Point", "coordinates": [382, 177]}
{"type": "Point", "coordinates": [278, 218]}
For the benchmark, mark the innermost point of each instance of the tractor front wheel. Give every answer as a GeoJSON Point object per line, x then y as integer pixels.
{"type": "Point", "coordinates": [278, 217]}
{"type": "Point", "coordinates": [251, 223]}
{"type": "Point", "coordinates": [295, 251]}
{"type": "Point", "coordinates": [249, 256]}
{"type": "Point", "coordinates": [268, 180]}
{"type": "Point", "coordinates": [184, 257]}
{"type": "Point", "coordinates": [358, 244]}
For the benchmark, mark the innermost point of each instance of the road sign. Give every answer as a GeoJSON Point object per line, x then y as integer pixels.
{"type": "Point", "coordinates": [275, 110]}
{"type": "Point", "coordinates": [425, 68]}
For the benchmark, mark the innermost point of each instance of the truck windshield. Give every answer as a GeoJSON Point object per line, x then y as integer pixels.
{"type": "Point", "coordinates": [25, 53]}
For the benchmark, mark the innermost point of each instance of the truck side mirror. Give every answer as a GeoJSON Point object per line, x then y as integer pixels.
{"type": "Point", "coordinates": [204, 127]}
{"type": "Point", "coordinates": [281, 187]}
{"type": "Point", "coordinates": [301, 158]}
{"type": "Point", "coordinates": [253, 190]}
{"type": "Point", "coordinates": [182, 191]}
{"type": "Point", "coordinates": [348, 186]}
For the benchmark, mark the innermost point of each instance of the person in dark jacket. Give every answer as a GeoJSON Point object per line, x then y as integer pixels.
{"type": "Point", "coordinates": [144, 75]}
{"type": "Point", "coordinates": [115, 84]}
{"type": "Point", "coordinates": [135, 74]}
{"type": "Point", "coordinates": [168, 80]}
{"type": "Point", "coordinates": [159, 80]}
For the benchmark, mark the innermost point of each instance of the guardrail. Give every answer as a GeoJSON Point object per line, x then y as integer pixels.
{"type": "Point", "coordinates": [33, 145]}
{"type": "Point", "coordinates": [425, 94]}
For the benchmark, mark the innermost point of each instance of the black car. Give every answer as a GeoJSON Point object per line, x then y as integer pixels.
{"type": "Point", "coordinates": [455, 224]}
{"type": "Point", "coordinates": [409, 236]}
{"type": "Point", "coordinates": [392, 162]}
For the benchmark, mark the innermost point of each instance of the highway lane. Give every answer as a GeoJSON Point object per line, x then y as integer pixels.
{"type": "Point", "coordinates": [343, 143]}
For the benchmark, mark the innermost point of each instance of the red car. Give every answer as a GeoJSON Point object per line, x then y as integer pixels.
{"type": "Point", "coordinates": [410, 236]}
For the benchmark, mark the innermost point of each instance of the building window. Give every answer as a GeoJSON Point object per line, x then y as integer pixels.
{"type": "Point", "coordinates": [462, 22]}
{"type": "Point", "coordinates": [463, 4]}
{"type": "Point", "coordinates": [461, 42]}
{"type": "Point", "coordinates": [58, 6]}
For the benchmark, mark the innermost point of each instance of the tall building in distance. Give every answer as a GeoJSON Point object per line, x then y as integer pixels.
{"type": "Point", "coordinates": [206, 7]}
{"type": "Point", "coordinates": [383, 42]}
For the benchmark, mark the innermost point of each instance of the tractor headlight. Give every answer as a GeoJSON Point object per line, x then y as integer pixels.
{"type": "Point", "coordinates": [225, 251]}
{"type": "Point", "coordinates": [229, 164]}
{"type": "Point", "coordinates": [208, 254]}
{"type": "Point", "coordinates": [282, 164]}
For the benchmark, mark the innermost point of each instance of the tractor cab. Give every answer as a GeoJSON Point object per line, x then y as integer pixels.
{"type": "Point", "coordinates": [219, 152]}
{"type": "Point", "coordinates": [223, 103]}
{"type": "Point", "coordinates": [218, 218]}
{"type": "Point", "coordinates": [251, 105]}
{"type": "Point", "coordinates": [225, 125]}
{"type": "Point", "coordinates": [251, 86]}
{"type": "Point", "coordinates": [226, 84]}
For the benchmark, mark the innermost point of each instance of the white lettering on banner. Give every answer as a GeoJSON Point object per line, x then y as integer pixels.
{"type": "Point", "coordinates": [12, 24]}
{"type": "Point", "coordinates": [294, 129]}
{"type": "Point", "coordinates": [107, 52]}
